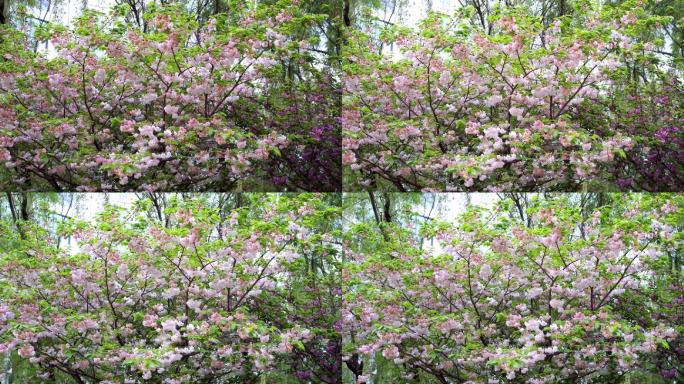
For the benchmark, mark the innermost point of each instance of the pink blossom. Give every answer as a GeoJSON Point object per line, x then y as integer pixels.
{"type": "Point", "coordinates": [516, 112]}
{"type": "Point", "coordinates": [171, 293]}
{"type": "Point", "coordinates": [493, 100]}
{"type": "Point", "coordinates": [150, 320]}
{"type": "Point", "coordinates": [100, 76]}
{"type": "Point", "coordinates": [26, 351]}
{"type": "Point", "coordinates": [194, 304]}
{"type": "Point", "coordinates": [171, 110]}
{"type": "Point", "coordinates": [391, 352]}
{"type": "Point", "coordinates": [170, 325]}
{"type": "Point", "coordinates": [534, 292]}
{"type": "Point", "coordinates": [556, 304]}
{"type": "Point", "coordinates": [148, 98]}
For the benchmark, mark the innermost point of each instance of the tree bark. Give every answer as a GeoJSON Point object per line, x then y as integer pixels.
{"type": "Point", "coordinates": [4, 5]}
{"type": "Point", "coordinates": [13, 210]}
{"type": "Point", "coordinates": [387, 208]}
{"type": "Point", "coordinates": [22, 216]}
{"type": "Point", "coordinates": [374, 205]}
{"type": "Point", "coordinates": [346, 13]}
{"type": "Point", "coordinates": [355, 364]}
{"type": "Point", "coordinates": [25, 206]}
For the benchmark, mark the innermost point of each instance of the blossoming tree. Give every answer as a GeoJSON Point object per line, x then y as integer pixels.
{"type": "Point", "coordinates": [463, 107]}
{"type": "Point", "coordinates": [205, 295]}
{"type": "Point", "coordinates": [179, 106]}
{"type": "Point", "coordinates": [547, 298]}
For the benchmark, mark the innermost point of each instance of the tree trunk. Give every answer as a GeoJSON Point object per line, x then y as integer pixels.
{"type": "Point", "coordinates": [387, 208]}
{"type": "Point", "coordinates": [355, 364]}
{"type": "Point", "coordinates": [4, 5]}
{"type": "Point", "coordinates": [21, 216]}
{"type": "Point", "coordinates": [346, 13]}
{"type": "Point", "coordinates": [25, 206]}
